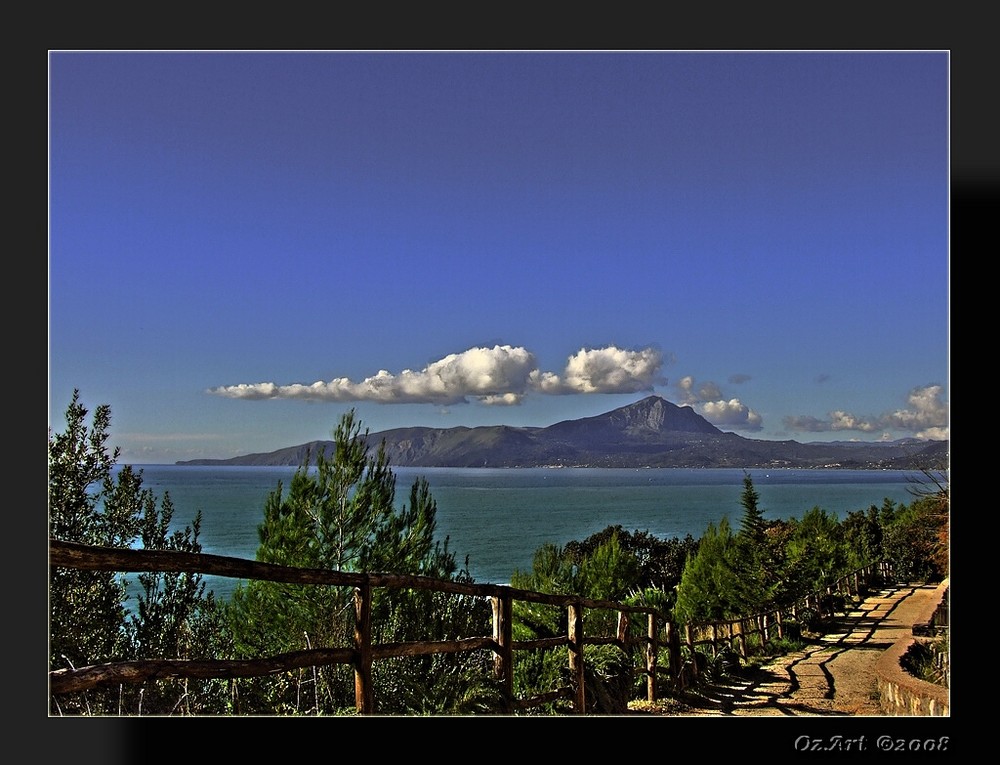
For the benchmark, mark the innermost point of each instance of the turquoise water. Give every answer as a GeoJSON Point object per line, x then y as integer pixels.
{"type": "Point", "coordinates": [499, 517]}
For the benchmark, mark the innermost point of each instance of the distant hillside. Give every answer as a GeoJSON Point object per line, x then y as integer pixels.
{"type": "Point", "coordinates": [649, 433]}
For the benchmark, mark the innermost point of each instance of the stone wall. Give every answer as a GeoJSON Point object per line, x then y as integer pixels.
{"type": "Point", "coordinates": [900, 693]}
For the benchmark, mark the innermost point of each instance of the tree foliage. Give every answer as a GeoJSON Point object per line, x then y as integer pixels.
{"type": "Point", "coordinates": [89, 618]}
{"type": "Point", "coordinates": [602, 568]}
{"type": "Point", "coordinates": [708, 589]}
{"type": "Point", "coordinates": [752, 524]}
{"type": "Point", "coordinates": [815, 554]}
{"type": "Point", "coordinates": [659, 561]}
{"type": "Point", "coordinates": [864, 533]}
{"type": "Point", "coordinates": [768, 563]}
{"type": "Point", "coordinates": [340, 513]}
{"type": "Point", "coordinates": [916, 540]}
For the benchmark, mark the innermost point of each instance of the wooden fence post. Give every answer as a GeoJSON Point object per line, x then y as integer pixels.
{"type": "Point", "coordinates": [780, 623]}
{"type": "Point", "coordinates": [624, 622]}
{"type": "Point", "coordinates": [364, 698]}
{"type": "Point", "coordinates": [673, 650]}
{"type": "Point", "coordinates": [503, 660]}
{"type": "Point", "coordinates": [743, 640]}
{"type": "Point", "coordinates": [651, 651]}
{"type": "Point", "coordinates": [575, 614]}
{"type": "Point", "coordinates": [689, 639]}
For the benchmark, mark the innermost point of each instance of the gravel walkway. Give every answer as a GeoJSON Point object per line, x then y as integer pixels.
{"type": "Point", "coordinates": [832, 676]}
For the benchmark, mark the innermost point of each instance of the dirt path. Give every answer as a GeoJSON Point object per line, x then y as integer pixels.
{"type": "Point", "coordinates": [832, 676]}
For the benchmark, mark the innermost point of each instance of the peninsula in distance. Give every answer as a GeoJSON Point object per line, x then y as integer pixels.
{"type": "Point", "coordinates": [653, 433]}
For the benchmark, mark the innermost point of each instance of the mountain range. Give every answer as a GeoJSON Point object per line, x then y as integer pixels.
{"type": "Point", "coordinates": [652, 432]}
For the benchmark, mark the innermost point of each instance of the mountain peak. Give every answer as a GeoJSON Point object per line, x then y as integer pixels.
{"type": "Point", "coordinates": [651, 432]}
{"type": "Point", "coordinates": [654, 414]}
{"type": "Point", "coordinates": [652, 418]}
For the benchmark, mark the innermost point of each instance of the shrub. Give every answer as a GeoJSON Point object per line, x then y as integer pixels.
{"type": "Point", "coordinates": [927, 660]}
{"type": "Point", "coordinates": [809, 619]}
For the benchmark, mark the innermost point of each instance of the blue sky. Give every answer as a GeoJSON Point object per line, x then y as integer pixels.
{"type": "Point", "coordinates": [243, 246]}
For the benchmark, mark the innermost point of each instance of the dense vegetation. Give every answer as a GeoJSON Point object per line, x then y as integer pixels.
{"type": "Point", "coordinates": [340, 512]}
{"type": "Point", "coordinates": [88, 620]}
{"type": "Point", "coordinates": [343, 516]}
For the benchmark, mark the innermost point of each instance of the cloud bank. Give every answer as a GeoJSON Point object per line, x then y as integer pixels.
{"type": "Point", "coordinates": [706, 398]}
{"type": "Point", "coordinates": [926, 417]}
{"type": "Point", "coordinates": [497, 376]}
{"type": "Point", "coordinates": [503, 375]}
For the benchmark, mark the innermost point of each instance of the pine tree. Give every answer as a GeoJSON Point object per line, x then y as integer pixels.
{"type": "Point", "coordinates": [816, 553]}
{"type": "Point", "coordinates": [709, 588]}
{"type": "Point", "coordinates": [755, 563]}
{"type": "Point", "coordinates": [752, 523]}
{"type": "Point", "coordinates": [87, 609]}
{"type": "Point", "coordinates": [89, 621]}
{"type": "Point", "coordinates": [340, 514]}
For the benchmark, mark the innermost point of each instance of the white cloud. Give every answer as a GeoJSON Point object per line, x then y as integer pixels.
{"type": "Point", "coordinates": [505, 399]}
{"type": "Point", "coordinates": [706, 398]}
{"type": "Point", "coordinates": [926, 417]}
{"type": "Point", "coordinates": [732, 413]}
{"type": "Point", "coordinates": [500, 375]}
{"type": "Point", "coordinates": [606, 370]}
{"type": "Point", "coordinates": [926, 410]}
{"type": "Point", "coordinates": [685, 390]}
{"type": "Point", "coordinates": [546, 382]}
{"type": "Point", "coordinates": [251, 391]}
{"type": "Point", "coordinates": [689, 393]}
{"type": "Point", "coordinates": [845, 421]}
{"type": "Point", "coordinates": [935, 434]}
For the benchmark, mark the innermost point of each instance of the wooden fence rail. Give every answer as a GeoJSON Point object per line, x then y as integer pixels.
{"type": "Point", "coordinates": [659, 633]}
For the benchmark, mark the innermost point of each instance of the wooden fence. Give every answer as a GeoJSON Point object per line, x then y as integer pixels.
{"type": "Point", "coordinates": [735, 635]}
{"type": "Point", "coordinates": [628, 636]}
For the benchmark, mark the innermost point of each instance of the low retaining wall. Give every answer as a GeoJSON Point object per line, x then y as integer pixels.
{"type": "Point", "coordinates": [900, 693]}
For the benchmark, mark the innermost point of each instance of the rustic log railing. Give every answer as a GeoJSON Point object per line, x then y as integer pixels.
{"type": "Point", "coordinates": [363, 653]}
{"type": "Point", "coordinates": [736, 634]}
{"type": "Point", "coordinates": [659, 633]}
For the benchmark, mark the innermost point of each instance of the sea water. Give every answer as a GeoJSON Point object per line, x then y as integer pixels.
{"type": "Point", "coordinates": [498, 517]}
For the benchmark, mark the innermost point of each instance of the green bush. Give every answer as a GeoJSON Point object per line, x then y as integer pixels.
{"type": "Point", "coordinates": [809, 619]}
{"type": "Point", "coordinates": [927, 660]}
{"type": "Point", "coordinates": [790, 643]}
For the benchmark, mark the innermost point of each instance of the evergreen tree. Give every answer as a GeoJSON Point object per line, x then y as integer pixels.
{"type": "Point", "coordinates": [86, 608]}
{"type": "Point", "coordinates": [660, 561]}
{"type": "Point", "coordinates": [610, 573]}
{"type": "Point", "coordinates": [607, 571]}
{"type": "Point", "coordinates": [863, 535]}
{"type": "Point", "coordinates": [816, 554]}
{"type": "Point", "coordinates": [89, 622]}
{"type": "Point", "coordinates": [752, 524]}
{"type": "Point", "coordinates": [552, 572]}
{"type": "Point", "coordinates": [340, 514]}
{"type": "Point", "coordinates": [710, 589]}
{"type": "Point", "coordinates": [753, 561]}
